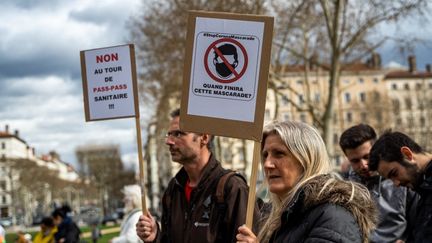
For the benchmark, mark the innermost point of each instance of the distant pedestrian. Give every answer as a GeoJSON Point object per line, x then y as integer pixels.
{"type": "Point", "coordinates": [47, 231]}
{"type": "Point", "coordinates": [95, 232]}
{"type": "Point", "coordinates": [68, 231]}
{"type": "Point", "coordinates": [132, 200]}
{"type": "Point", "coordinates": [2, 235]}
{"type": "Point", "coordinates": [21, 237]}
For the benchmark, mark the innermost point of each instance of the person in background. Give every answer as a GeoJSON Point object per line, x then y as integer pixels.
{"type": "Point", "coordinates": [47, 231]}
{"type": "Point", "coordinates": [399, 158]}
{"type": "Point", "coordinates": [192, 211]}
{"type": "Point", "coordinates": [95, 232]}
{"type": "Point", "coordinates": [396, 206]}
{"type": "Point", "coordinates": [21, 237]}
{"type": "Point", "coordinates": [2, 235]}
{"type": "Point", "coordinates": [307, 203]}
{"type": "Point", "coordinates": [67, 230]}
{"type": "Point", "coordinates": [132, 201]}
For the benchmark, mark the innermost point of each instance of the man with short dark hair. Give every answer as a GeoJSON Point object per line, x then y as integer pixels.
{"type": "Point", "coordinates": [67, 230]}
{"type": "Point", "coordinates": [191, 210]}
{"type": "Point", "coordinates": [400, 159]}
{"type": "Point", "coordinates": [395, 205]}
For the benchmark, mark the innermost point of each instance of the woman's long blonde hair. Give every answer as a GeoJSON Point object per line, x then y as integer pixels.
{"type": "Point", "coordinates": [306, 145]}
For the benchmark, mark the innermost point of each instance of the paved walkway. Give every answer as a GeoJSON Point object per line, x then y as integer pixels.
{"type": "Point", "coordinates": [104, 231]}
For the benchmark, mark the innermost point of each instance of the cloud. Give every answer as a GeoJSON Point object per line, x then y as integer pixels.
{"type": "Point", "coordinates": [40, 42]}
{"type": "Point", "coordinates": [40, 76]}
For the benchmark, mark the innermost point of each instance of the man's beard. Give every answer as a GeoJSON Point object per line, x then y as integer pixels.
{"type": "Point", "coordinates": [414, 173]}
{"type": "Point", "coordinates": [223, 70]}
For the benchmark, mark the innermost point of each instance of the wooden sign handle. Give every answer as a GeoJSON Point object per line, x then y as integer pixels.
{"type": "Point", "coordinates": [252, 188]}
{"type": "Point", "coordinates": [141, 165]}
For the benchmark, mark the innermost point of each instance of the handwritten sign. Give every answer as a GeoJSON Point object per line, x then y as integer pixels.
{"type": "Point", "coordinates": [109, 83]}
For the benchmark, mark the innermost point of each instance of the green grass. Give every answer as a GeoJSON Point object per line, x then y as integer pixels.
{"type": "Point", "coordinates": [104, 239]}
{"type": "Point", "coordinates": [11, 237]}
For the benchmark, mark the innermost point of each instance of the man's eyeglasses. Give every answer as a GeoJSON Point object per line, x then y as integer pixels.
{"type": "Point", "coordinates": [175, 134]}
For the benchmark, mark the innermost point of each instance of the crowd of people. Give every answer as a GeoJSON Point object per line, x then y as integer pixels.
{"type": "Point", "coordinates": [385, 195]}
{"type": "Point", "coordinates": [59, 227]}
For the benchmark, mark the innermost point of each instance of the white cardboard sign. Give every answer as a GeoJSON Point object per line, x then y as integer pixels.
{"type": "Point", "coordinates": [109, 82]}
{"type": "Point", "coordinates": [225, 68]}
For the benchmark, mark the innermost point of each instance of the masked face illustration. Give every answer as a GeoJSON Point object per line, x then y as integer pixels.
{"type": "Point", "coordinates": [223, 70]}
{"type": "Point", "coordinates": [230, 55]}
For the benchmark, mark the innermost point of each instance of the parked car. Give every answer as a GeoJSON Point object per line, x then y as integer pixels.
{"type": "Point", "coordinates": [120, 212]}
{"type": "Point", "coordinates": [6, 222]}
{"type": "Point", "coordinates": [110, 218]}
{"type": "Point", "coordinates": [37, 220]}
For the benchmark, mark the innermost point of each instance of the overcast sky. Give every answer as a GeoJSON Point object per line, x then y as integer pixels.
{"type": "Point", "coordinates": [40, 78]}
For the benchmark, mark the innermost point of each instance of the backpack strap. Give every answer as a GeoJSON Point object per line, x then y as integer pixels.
{"type": "Point", "coordinates": [220, 190]}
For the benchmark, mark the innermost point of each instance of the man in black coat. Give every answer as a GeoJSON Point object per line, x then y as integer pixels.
{"type": "Point", "coordinates": [67, 230]}
{"type": "Point", "coordinates": [400, 159]}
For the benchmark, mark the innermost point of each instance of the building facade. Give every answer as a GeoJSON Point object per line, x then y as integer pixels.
{"type": "Point", "coordinates": [23, 189]}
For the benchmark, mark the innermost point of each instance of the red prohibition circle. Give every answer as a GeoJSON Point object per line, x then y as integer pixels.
{"type": "Point", "coordinates": [236, 77]}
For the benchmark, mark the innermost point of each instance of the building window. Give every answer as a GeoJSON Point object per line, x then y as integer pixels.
{"type": "Point", "coordinates": [4, 212]}
{"type": "Point", "coordinates": [4, 200]}
{"type": "Point", "coordinates": [363, 117]}
{"type": "Point", "coordinates": [317, 97]}
{"type": "Point", "coordinates": [396, 105]}
{"type": "Point", "coordinates": [408, 103]}
{"type": "Point", "coordinates": [347, 97]}
{"type": "Point", "coordinates": [394, 86]}
{"type": "Point", "coordinates": [361, 80]}
{"type": "Point", "coordinates": [362, 97]}
{"type": "Point", "coordinates": [398, 121]}
{"type": "Point", "coordinates": [240, 153]}
{"type": "Point", "coordinates": [422, 121]}
{"type": "Point", "coordinates": [375, 80]}
{"type": "Point", "coordinates": [267, 114]}
{"type": "Point", "coordinates": [420, 105]}
{"type": "Point", "coordinates": [285, 100]}
{"type": "Point", "coordinates": [378, 116]}
{"type": "Point", "coordinates": [430, 85]}
{"type": "Point", "coordinates": [335, 138]}
{"type": "Point", "coordinates": [227, 155]}
{"type": "Point", "coordinates": [376, 96]}
{"type": "Point", "coordinates": [349, 117]}
{"type": "Point", "coordinates": [301, 100]}
{"type": "Point", "coordinates": [419, 86]}
{"type": "Point", "coordinates": [3, 185]}
{"type": "Point", "coordinates": [3, 145]}
{"type": "Point", "coordinates": [410, 122]}
{"type": "Point", "coordinates": [299, 82]}
{"type": "Point", "coordinates": [406, 86]}
{"type": "Point", "coordinates": [303, 117]}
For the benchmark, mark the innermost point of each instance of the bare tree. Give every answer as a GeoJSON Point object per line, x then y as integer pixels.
{"type": "Point", "coordinates": [339, 33]}
{"type": "Point", "coordinates": [160, 34]}
{"type": "Point", "coordinates": [105, 169]}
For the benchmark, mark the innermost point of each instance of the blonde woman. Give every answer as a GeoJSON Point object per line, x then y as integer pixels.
{"type": "Point", "coordinates": [307, 203]}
